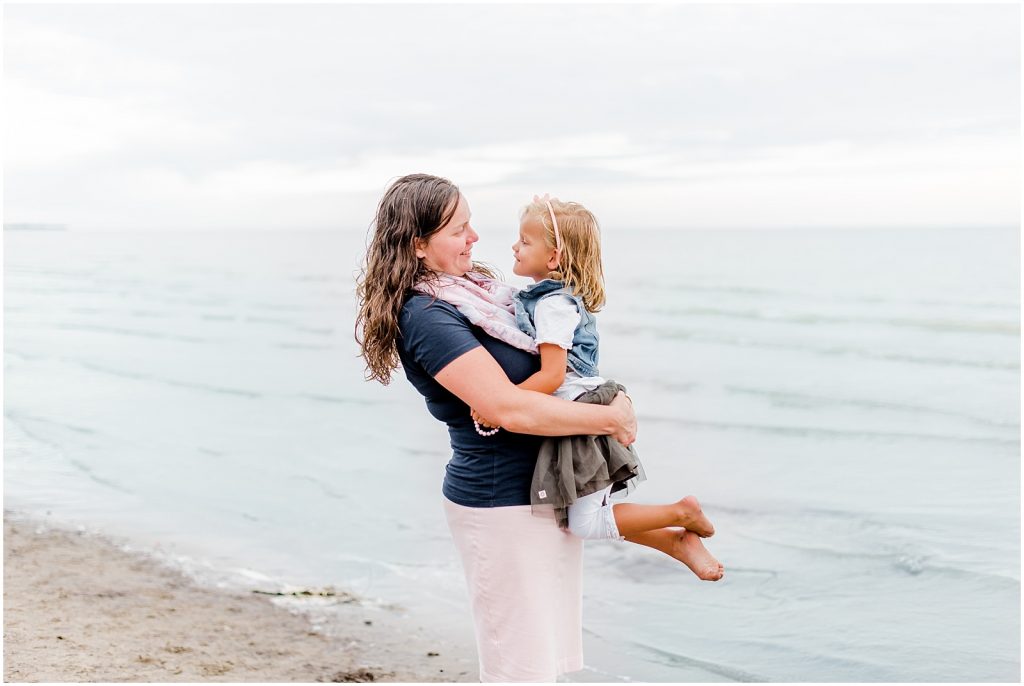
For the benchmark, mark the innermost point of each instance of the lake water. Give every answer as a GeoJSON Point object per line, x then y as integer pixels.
{"type": "Point", "coordinates": [846, 404]}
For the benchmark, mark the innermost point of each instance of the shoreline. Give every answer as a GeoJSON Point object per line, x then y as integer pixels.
{"type": "Point", "coordinates": [77, 607]}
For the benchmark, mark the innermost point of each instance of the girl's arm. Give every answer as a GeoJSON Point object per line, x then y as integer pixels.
{"type": "Point", "coordinates": [480, 382]}
{"type": "Point", "coordinates": [553, 359]}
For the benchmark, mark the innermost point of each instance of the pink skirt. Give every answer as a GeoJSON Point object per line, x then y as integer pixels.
{"type": "Point", "coordinates": [524, 578]}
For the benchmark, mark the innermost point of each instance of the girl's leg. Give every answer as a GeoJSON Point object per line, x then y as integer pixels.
{"type": "Point", "coordinates": [632, 519]}
{"type": "Point", "coordinates": [684, 546]}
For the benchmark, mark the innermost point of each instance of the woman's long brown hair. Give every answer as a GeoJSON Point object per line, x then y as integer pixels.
{"type": "Point", "coordinates": [413, 207]}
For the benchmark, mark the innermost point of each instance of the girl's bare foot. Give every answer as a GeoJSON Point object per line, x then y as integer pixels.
{"type": "Point", "coordinates": [690, 550]}
{"type": "Point", "coordinates": [691, 517]}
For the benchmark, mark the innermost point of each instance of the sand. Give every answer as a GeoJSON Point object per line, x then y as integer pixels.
{"type": "Point", "coordinates": [77, 607]}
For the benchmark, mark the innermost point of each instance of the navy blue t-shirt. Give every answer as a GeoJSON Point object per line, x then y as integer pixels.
{"type": "Point", "coordinates": [491, 471]}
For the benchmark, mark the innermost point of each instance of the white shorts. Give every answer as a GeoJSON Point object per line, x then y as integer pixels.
{"type": "Point", "coordinates": [591, 517]}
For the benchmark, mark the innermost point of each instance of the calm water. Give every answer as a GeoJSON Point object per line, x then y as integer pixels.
{"type": "Point", "coordinates": [846, 405]}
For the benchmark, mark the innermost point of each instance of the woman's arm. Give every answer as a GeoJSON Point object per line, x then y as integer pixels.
{"type": "Point", "coordinates": [551, 375]}
{"type": "Point", "coordinates": [553, 359]}
{"type": "Point", "coordinates": [480, 382]}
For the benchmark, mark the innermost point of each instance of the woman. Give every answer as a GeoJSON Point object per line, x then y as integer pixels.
{"type": "Point", "coordinates": [523, 571]}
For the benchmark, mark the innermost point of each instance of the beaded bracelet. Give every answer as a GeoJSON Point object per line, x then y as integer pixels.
{"type": "Point", "coordinates": [485, 433]}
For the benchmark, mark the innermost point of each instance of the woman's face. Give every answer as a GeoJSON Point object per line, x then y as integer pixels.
{"type": "Point", "coordinates": [449, 250]}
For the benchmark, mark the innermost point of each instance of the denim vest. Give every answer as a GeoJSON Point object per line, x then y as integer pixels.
{"type": "Point", "coordinates": [583, 354]}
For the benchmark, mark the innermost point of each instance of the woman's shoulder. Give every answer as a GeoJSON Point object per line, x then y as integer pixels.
{"type": "Point", "coordinates": [424, 311]}
{"type": "Point", "coordinates": [422, 305]}
{"type": "Point", "coordinates": [433, 333]}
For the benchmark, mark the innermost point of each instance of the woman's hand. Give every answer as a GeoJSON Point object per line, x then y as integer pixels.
{"type": "Point", "coordinates": [479, 419]}
{"type": "Point", "coordinates": [625, 431]}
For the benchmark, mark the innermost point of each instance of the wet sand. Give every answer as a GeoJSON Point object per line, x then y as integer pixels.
{"type": "Point", "coordinates": [79, 608]}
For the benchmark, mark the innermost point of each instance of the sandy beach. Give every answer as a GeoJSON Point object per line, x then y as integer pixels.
{"type": "Point", "coordinates": [77, 607]}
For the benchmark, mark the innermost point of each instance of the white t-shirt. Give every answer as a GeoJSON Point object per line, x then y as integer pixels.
{"type": "Point", "coordinates": [556, 319]}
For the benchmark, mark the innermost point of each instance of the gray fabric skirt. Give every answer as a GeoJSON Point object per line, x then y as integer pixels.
{"type": "Point", "coordinates": [570, 467]}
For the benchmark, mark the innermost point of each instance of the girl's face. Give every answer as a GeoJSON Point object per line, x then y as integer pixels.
{"type": "Point", "coordinates": [534, 259]}
{"type": "Point", "coordinates": [450, 249]}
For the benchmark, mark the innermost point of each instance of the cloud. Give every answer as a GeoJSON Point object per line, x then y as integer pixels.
{"type": "Point", "coordinates": [243, 115]}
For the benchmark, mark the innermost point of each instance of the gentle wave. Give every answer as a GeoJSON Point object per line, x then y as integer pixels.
{"type": "Point", "coordinates": [137, 333]}
{"type": "Point", "coordinates": [998, 327]}
{"type": "Point", "coordinates": [192, 385]}
{"type": "Point", "coordinates": [905, 561]}
{"type": "Point", "coordinates": [20, 417]}
{"type": "Point", "coordinates": [814, 401]}
{"type": "Point", "coordinates": [677, 288]}
{"type": "Point", "coordinates": [206, 388]}
{"type": "Point", "coordinates": [831, 351]}
{"type": "Point", "coordinates": [808, 431]}
{"type": "Point", "coordinates": [673, 659]}
{"type": "Point", "coordinates": [305, 346]}
{"type": "Point", "coordinates": [341, 399]}
{"type": "Point", "coordinates": [22, 421]}
{"type": "Point", "coordinates": [324, 487]}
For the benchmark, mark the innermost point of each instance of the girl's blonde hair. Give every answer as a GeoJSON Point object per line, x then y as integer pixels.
{"type": "Point", "coordinates": [579, 263]}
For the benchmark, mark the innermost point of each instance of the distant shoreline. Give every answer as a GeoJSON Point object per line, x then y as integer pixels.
{"type": "Point", "coordinates": [35, 227]}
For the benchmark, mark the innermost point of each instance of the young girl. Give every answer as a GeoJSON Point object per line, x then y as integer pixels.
{"type": "Point", "coordinates": [559, 248]}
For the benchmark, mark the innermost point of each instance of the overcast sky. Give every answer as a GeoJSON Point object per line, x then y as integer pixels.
{"type": "Point", "coordinates": [199, 116]}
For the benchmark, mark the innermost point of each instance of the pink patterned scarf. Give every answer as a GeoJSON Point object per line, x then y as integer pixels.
{"type": "Point", "coordinates": [485, 302]}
